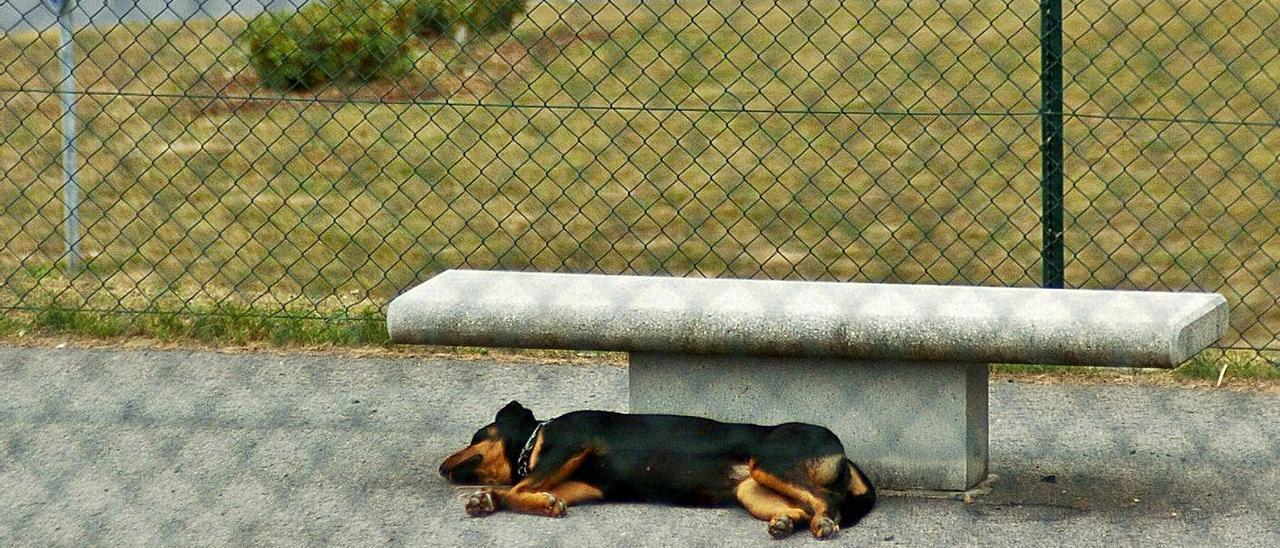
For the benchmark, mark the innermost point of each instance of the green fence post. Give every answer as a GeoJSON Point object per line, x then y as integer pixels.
{"type": "Point", "coordinates": [1051, 255]}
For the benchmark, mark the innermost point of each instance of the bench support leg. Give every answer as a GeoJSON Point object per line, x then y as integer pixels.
{"type": "Point", "coordinates": [909, 425]}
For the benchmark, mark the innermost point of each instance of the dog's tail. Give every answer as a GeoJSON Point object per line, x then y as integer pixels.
{"type": "Point", "coordinates": [861, 498]}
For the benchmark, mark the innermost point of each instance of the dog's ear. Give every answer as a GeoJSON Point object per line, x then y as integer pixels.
{"type": "Point", "coordinates": [514, 414]}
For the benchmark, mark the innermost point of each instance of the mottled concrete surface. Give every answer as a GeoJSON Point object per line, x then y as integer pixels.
{"type": "Point", "coordinates": [913, 425]}
{"type": "Point", "coordinates": [194, 448]}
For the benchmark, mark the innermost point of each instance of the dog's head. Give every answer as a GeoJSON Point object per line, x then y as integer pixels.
{"type": "Point", "coordinates": [491, 457]}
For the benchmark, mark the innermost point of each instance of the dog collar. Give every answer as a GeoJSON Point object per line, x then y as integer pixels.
{"type": "Point", "coordinates": [522, 464]}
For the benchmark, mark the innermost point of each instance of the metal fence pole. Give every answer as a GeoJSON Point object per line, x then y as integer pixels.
{"type": "Point", "coordinates": [70, 190]}
{"type": "Point", "coordinates": [1051, 254]}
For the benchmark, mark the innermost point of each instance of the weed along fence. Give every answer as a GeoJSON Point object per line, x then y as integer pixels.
{"type": "Point", "coordinates": [291, 161]}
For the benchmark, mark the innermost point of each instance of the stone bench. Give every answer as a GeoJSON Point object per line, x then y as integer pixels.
{"type": "Point", "coordinates": [899, 372]}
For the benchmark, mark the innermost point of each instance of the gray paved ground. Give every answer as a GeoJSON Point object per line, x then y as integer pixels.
{"type": "Point", "coordinates": [194, 448]}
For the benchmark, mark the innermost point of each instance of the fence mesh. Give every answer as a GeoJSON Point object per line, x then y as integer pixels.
{"type": "Point", "coordinates": [311, 159]}
{"type": "Point", "coordinates": [320, 160]}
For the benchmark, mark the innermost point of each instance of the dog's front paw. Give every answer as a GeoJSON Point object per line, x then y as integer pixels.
{"type": "Point", "coordinates": [481, 504]}
{"type": "Point", "coordinates": [781, 526]}
{"type": "Point", "coordinates": [556, 508]}
{"type": "Point", "coordinates": [823, 528]}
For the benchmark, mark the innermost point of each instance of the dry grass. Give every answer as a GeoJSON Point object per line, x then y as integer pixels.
{"type": "Point", "coordinates": [820, 140]}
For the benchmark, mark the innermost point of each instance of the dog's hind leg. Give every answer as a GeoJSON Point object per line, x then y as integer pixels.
{"type": "Point", "coordinates": [816, 484]}
{"type": "Point", "coordinates": [860, 499]}
{"type": "Point", "coordinates": [765, 504]}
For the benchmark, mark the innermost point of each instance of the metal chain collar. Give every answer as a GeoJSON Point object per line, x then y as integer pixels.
{"type": "Point", "coordinates": [522, 464]}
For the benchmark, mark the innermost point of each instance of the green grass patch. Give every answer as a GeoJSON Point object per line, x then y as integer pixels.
{"type": "Point", "coordinates": [1205, 366]}
{"type": "Point", "coordinates": [1239, 365]}
{"type": "Point", "coordinates": [216, 323]}
{"type": "Point", "coordinates": [11, 325]}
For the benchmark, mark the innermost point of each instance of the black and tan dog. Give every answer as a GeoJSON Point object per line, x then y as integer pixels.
{"type": "Point", "coordinates": [788, 475]}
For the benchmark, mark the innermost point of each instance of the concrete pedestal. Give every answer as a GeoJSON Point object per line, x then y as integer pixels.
{"type": "Point", "coordinates": [909, 425]}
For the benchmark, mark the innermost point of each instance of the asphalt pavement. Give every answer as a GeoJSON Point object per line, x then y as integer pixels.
{"type": "Point", "coordinates": [102, 447]}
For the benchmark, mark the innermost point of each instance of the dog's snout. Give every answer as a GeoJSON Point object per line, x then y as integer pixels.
{"type": "Point", "coordinates": [461, 472]}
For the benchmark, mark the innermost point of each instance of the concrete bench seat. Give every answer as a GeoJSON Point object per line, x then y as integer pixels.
{"type": "Point", "coordinates": [899, 372]}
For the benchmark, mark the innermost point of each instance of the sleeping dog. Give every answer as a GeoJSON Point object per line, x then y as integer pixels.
{"type": "Point", "coordinates": [791, 474]}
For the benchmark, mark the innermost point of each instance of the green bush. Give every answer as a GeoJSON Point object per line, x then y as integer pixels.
{"type": "Point", "coordinates": [427, 18]}
{"type": "Point", "coordinates": [487, 16]}
{"type": "Point", "coordinates": [328, 41]}
{"type": "Point", "coordinates": [281, 50]}
{"type": "Point", "coordinates": [441, 17]}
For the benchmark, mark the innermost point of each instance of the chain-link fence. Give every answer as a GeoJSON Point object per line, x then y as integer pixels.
{"type": "Point", "coordinates": [318, 158]}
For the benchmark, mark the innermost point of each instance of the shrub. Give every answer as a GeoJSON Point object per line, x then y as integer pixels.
{"type": "Point", "coordinates": [328, 41]}
{"type": "Point", "coordinates": [371, 38]}
{"type": "Point", "coordinates": [441, 17]}
{"type": "Point", "coordinates": [488, 16]}
{"type": "Point", "coordinates": [280, 50]}
{"type": "Point", "coordinates": [427, 18]}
